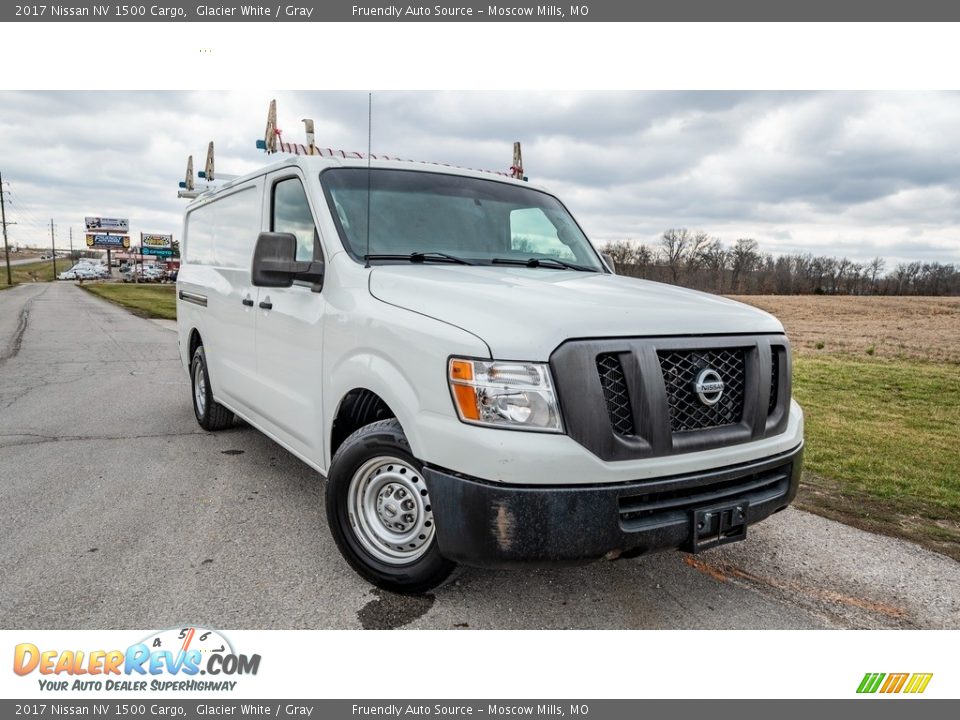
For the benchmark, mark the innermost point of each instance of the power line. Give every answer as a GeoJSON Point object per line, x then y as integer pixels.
{"type": "Point", "coordinates": [32, 220]}
{"type": "Point", "coordinates": [3, 220]}
{"type": "Point", "coordinates": [53, 247]}
{"type": "Point", "coordinates": [28, 221]}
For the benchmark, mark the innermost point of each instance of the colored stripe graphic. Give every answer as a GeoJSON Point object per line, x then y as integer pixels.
{"type": "Point", "coordinates": [894, 683]}
{"type": "Point", "coordinates": [870, 682]}
{"type": "Point", "coordinates": [918, 683]}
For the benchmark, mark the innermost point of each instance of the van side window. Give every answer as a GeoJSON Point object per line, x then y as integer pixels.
{"type": "Point", "coordinates": [291, 214]}
{"type": "Point", "coordinates": [198, 243]}
{"type": "Point", "coordinates": [222, 232]}
{"type": "Point", "coordinates": [237, 217]}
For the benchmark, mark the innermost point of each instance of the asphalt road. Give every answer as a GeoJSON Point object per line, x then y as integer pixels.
{"type": "Point", "coordinates": [118, 511]}
{"type": "Point", "coordinates": [14, 260]}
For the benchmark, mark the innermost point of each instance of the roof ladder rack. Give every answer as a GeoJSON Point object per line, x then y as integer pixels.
{"type": "Point", "coordinates": [187, 186]}
{"type": "Point", "coordinates": [273, 142]}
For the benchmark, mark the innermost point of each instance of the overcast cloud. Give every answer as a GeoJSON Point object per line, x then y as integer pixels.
{"type": "Point", "coordinates": [855, 174]}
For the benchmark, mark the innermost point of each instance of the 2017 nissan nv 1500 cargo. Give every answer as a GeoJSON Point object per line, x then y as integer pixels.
{"type": "Point", "coordinates": [476, 384]}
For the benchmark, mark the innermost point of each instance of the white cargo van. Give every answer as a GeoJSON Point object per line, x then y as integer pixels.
{"type": "Point", "coordinates": [451, 352]}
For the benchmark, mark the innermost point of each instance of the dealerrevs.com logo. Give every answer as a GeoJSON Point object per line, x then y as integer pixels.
{"type": "Point", "coordinates": [167, 660]}
{"type": "Point", "coordinates": [891, 683]}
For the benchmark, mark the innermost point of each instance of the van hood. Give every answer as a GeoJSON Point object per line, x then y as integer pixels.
{"type": "Point", "coordinates": [525, 313]}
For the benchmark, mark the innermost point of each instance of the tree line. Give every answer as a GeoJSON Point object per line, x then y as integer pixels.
{"type": "Point", "coordinates": [696, 260]}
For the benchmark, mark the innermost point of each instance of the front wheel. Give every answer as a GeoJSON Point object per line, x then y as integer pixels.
{"type": "Point", "coordinates": [379, 511]}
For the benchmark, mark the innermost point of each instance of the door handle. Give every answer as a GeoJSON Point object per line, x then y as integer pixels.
{"type": "Point", "coordinates": [248, 302]}
{"type": "Point", "coordinates": [266, 305]}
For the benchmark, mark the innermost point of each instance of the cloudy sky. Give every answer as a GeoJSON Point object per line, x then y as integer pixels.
{"type": "Point", "coordinates": [855, 174]}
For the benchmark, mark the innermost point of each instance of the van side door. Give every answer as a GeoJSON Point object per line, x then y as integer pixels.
{"type": "Point", "coordinates": [216, 289]}
{"type": "Point", "coordinates": [289, 327]}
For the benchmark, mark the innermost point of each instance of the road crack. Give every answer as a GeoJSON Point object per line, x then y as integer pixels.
{"type": "Point", "coordinates": [16, 342]}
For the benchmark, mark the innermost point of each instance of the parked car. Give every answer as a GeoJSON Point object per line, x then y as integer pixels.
{"type": "Point", "coordinates": [67, 275]}
{"type": "Point", "coordinates": [471, 377]}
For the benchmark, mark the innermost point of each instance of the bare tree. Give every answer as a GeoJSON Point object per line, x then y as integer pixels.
{"type": "Point", "coordinates": [644, 259]}
{"type": "Point", "coordinates": [623, 253]}
{"type": "Point", "coordinates": [744, 257]}
{"type": "Point", "coordinates": [696, 260]}
{"type": "Point", "coordinates": [838, 272]}
{"type": "Point", "coordinates": [874, 270]}
{"type": "Point", "coordinates": [783, 275]}
{"type": "Point", "coordinates": [855, 277]}
{"type": "Point", "coordinates": [824, 268]}
{"type": "Point", "coordinates": [715, 259]}
{"type": "Point", "coordinates": [673, 245]}
{"type": "Point", "coordinates": [802, 270]}
{"type": "Point", "coordinates": [693, 258]}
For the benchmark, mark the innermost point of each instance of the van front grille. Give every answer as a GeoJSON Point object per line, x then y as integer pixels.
{"type": "Point", "coordinates": [655, 399]}
{"type": "Point", "coordinates": [615, 394]}
{"type": "Point", "coordinates": [687, 411]}
{"type": "Point", "coordinates": [775, 352]}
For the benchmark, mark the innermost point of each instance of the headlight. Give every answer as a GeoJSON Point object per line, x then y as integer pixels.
{"type": "Point", "coordinates": [516, 395]}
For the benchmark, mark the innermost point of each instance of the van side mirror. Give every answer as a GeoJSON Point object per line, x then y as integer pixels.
{"type": "Point", "coordinates": [608, 259]}
{"type": "Point", "coordinates": [275, 262]}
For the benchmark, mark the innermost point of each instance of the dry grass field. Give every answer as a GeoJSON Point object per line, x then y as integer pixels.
{"type": "Point", "coordinates": [901, 328]}
{"type": "Point", "coordinates": [879, 381]}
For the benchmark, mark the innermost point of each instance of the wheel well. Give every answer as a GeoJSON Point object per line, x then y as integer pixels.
{"type": "Point", "coordinates": [195, 342]}
{"type": "Point", "coordinates": [359, 407]}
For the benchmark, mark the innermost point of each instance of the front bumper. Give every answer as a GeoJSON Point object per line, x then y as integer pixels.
{"type": "Point", "coordinates": [492, 525]}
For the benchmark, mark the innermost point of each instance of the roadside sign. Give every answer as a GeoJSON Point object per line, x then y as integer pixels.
{"type": "Point", "coordinates": [153, 240]}
{"type": "Point", "coordinates": [117, 225]}
{"type": "Point", "coordinates": [158, 252]}
{"type": "Point", "coordinates": [108, 241]}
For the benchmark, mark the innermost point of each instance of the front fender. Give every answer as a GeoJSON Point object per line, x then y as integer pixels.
{"type": "Point", "coordinates": [402, 357]}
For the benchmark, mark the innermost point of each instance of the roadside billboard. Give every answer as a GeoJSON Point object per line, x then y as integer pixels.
{"type": "Point", "coordinates": [117, 225]}
{"type": "Point", "coordinates": [108, 241]}
{"type": "Point", "coordinates": [158, 252]}
{"type": "Point", "coordinates": [154, 240]}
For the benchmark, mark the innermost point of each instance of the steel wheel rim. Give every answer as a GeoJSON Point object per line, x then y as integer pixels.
{"type": "Point", "coordinates": [199, 389]}
{"type": "Point", "coordinates": [390, 512]}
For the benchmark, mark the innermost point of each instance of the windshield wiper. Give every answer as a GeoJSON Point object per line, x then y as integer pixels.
{"type": "Point", "coordinates": [420, 257]}
{"type": "Point", "coordinates": [542, 262]}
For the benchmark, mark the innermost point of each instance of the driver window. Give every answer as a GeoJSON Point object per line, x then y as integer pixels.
{"type": "Point", "coordinates": [291, 214]}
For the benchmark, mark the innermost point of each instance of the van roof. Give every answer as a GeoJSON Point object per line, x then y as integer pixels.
{"type": "Point", "coordinates": [314, 163]}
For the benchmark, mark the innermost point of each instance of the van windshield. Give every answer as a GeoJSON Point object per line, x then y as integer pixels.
{"type": "Point", "coordinates": [481, 221]}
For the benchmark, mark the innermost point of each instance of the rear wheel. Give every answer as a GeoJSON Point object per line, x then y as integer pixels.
{"type": "Point", "coordinates": [210, 414]}
{"type": "Point", "coordinates": [379, 511]}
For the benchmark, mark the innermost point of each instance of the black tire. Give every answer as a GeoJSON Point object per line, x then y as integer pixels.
{"type": "Point", "coordinates": [212, 416]}
{"type": "Point", "coordinates": [384, 438]}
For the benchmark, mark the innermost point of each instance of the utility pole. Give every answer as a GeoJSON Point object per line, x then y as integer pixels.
{"type": "Point", "coordinates": [3, 219]}
{"type": "Point", "coordinates": [53, 246]}
{"type": "Point", "coordinates": [71, 243]}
